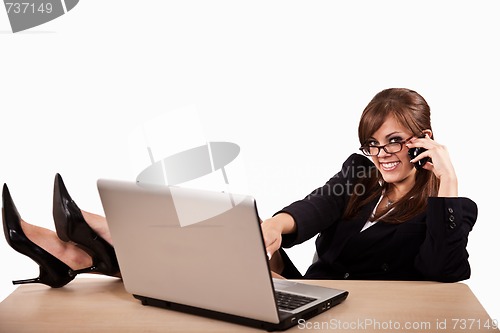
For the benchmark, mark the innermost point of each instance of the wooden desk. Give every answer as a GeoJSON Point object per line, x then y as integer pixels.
{"type": "Point", "coordinates": [102, 305]}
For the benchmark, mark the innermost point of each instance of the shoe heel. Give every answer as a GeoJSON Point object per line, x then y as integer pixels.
{"type": "Point", "coordinates": [35, 280]}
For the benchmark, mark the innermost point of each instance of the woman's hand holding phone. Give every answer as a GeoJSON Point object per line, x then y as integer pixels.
{"type": "Point", "coordinates": [437, 160]}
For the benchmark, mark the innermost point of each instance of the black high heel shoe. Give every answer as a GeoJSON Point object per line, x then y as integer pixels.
{"type": "Point", "coordinates": [71, 226]}
{"type": "Point", "coordinates": [53, 272]}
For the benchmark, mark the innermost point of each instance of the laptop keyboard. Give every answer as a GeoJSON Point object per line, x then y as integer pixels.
{"type": "Point", "coordinates": [289, 302]}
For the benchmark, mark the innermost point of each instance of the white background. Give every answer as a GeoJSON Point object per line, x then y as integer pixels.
{"type": "Point", "coordinates": [285, 80]}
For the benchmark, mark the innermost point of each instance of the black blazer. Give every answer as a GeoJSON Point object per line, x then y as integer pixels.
{"type": "Point", "coordinates": [430, 246]}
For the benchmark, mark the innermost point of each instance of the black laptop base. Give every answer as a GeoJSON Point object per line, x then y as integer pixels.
{"type": "Point", "coordinates": [287, 320]}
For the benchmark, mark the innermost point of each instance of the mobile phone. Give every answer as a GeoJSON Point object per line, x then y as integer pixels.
{"type": "Point", "coordinates": [414, 152]}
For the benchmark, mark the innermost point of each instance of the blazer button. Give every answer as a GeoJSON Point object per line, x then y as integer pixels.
{"type": "Point", "coordinates": [346, 275]}
{"type": "Point", "coordinates": [451, 218]}
{"type": "Point", "coordinates": [452, 225]}
{"type": "Point", "coordinates": [450, 210]}
{"type": "Point", "coordinates": [385, 267]}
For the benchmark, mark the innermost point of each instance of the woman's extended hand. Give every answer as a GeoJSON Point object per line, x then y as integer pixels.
{"type": "Point", "coordinates": [271, 231]}
{"type": "Point", "coordinates": [441, 164]}
{"type": "Point", "coordinates": [273, 228]}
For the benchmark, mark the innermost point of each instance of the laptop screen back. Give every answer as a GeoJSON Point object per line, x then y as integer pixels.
{"type": "Point", "coordinates": [198, 248]}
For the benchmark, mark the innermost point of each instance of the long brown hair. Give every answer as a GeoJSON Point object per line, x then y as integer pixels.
{"type": "Point", "coordinates": [412, 111]}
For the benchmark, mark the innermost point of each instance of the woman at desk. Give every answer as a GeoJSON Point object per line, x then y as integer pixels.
{"type": "Point", "coordinates": [395, 216]}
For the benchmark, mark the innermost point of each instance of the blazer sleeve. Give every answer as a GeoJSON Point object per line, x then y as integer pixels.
{"type": "Point", "coordinates": [325, 206]}
{"type": "Point", "coordinates": [443, 255]}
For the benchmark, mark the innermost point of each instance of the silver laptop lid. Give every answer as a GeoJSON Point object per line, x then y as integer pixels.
{"type": "Point", "coordinates": [192, 247]}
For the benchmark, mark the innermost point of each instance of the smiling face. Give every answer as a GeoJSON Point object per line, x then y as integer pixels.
{"type": "Point", "coordinates": [395, 115]}
{"type": "Point", "coordinates": [395, 168]}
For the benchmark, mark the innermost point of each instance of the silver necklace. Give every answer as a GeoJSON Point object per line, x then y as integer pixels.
{"type": "Point", "coordinates": [389, 202]}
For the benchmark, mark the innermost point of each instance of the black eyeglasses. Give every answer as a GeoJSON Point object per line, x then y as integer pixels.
{"type": "Point", "coordinates": [390, 148]}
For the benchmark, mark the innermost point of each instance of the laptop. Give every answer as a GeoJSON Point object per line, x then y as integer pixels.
{"type": "Point", "coordinates": [202, 252]}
